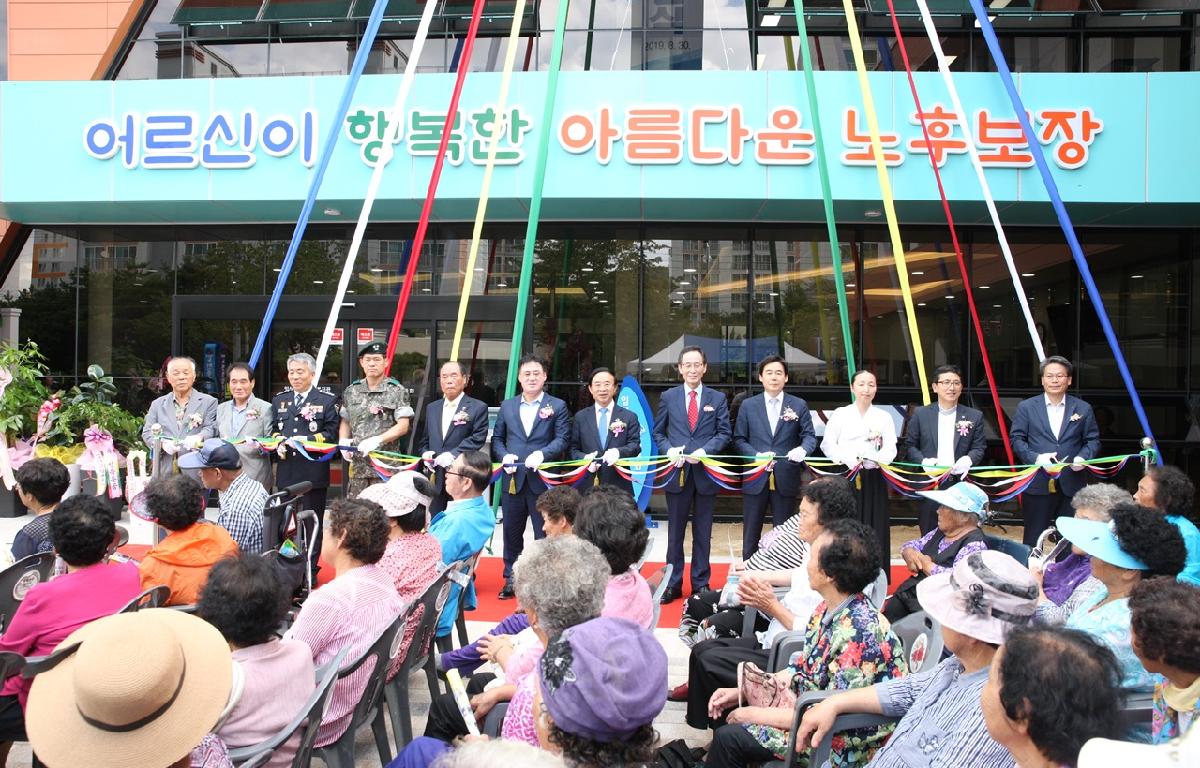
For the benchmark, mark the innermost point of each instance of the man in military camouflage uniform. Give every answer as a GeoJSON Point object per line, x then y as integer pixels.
{"type": "Point", "coordinates": [375, 414]}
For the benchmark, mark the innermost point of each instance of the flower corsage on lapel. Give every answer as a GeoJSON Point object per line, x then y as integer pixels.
{"type": "Point", "coordinates": [963, 427]}
{"type": "Point", "coordinates": [252, 415]}
{"type": "Point", "coordinates": [875, 439]}
{"type": "Point", "coordinates": [616, 427]}
{"type": "Point", "coordinates": [1076, 416]}
{"type": "Point", "coordinates": [545, 412]}
{"type": "Point", "coordinates": [789, 415]}
{"type": "Point", "coordinates": [309, 413]}
{"type": "Point", "coordinates": [708, 409]}
{"type": "Point", "coordinates": [375, 408]}
{"type": "Point", "coordinates": [460, 418]}
{"type": "Point", "coordinates": [195, 420]}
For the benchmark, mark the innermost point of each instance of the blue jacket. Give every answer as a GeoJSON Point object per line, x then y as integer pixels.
{"type": "Point", "coordinates": [550, 435]}
{"type": "Point", "coordinates": [1078, 436]}
{"type": "Point", "coordinates": [463, 529]}
{"type": "Point", "coordinates": [671, 431]}
{"type": "Point", "coordinates": [752, 434]}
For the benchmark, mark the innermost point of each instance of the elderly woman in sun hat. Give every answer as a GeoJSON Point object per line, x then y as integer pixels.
{"type": "Point", "coordinates": [412, 556]}
{"type": "Point", "coordinates": [138, 689]}
{"type": "Point", "coordinates": [976, 603]}
{"type": "Point", "coordinates": [1136, 544]}
{"type": "Point", "coordinates": [960, 508]}
{"type": "Point", "coordinates": [601, 685]}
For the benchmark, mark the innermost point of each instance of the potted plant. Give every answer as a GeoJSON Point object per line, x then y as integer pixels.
{"type": "Point", "coordinates": [85, 429]}
{"type": "Point", "coordinates": [22, 370]}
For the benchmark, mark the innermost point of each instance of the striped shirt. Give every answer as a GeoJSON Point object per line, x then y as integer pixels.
{"type": "Point", "coordinates": [781, 549]}
{"type": "Point", "coordinates": [351, 611]}
{"type": "Point", "coordinates": [242, 505]}
{"type": "Point", "coordinates": [941, 721]}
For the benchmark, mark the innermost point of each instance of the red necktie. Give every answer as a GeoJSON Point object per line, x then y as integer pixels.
{"type": "Point", "coordinates": [693, 411]}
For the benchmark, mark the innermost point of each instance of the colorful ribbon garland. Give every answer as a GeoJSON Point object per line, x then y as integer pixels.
{"type": "Point", "coordinates": [1060, 210]}
{"type": "Point", "coordinates": [510, 57]}
{"type": "Point", "coordinates": [960, 117]}
{"type": "Point", "coordinates": [525, 286]}
{"type": "Point", "coordinates": [335, 130]}
{"type": "Point", "coordinates": [835, 247]}
{"type": "Point", "coordinates": [386, 152]}
{"type": "Point", "coordinates": [962, 263]}
{"type": "Point", "coordinates": [885, 189]}
{"type": "Point", "coordinates": [418, 243]}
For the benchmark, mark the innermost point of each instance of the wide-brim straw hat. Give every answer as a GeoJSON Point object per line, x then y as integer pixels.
{"type": "Point", "coordinates": [141, 689]}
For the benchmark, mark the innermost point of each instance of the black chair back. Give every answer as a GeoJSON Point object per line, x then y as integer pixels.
{"type": "Point", "coordinates": [381, 653]}
{"type": "Point", "coordinates": [153, 597]}
{"type": "Point", "coordinates": [20, 577]}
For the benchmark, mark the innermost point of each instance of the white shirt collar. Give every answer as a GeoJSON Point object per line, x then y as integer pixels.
{"type": "Point", "coordinates": [699, 390]}
{"type": "Point", "coordinates": [1049, 404]}
{"type": "Point", "coordinates": [453, 403]}
{"type": "Point", "coordinates": [303, 394]}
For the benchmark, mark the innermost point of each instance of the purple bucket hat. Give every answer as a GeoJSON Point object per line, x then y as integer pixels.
{"type": "Point", "coordinates": [604, 679]}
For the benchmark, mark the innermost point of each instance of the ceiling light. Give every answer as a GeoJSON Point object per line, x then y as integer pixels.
{"type": "Point", "coordinates": [373, 269]}
{"type": "Point", "coordinates": [603, 301]}
{"type": "Point", "coordinates": [950, 296]}
{"type": "Point", "coordinates": [1026, 274]}
{"type": "Point", "coordinates": [872, 214]}
{"type": "Point", "coordinates": [593, 282]}
{"type": "Point", "coordinates": [276, 269]}
{"type": "Point", "coordinates": [684, 282]}
{"type": "Point", "coordinates": [770, 20]}
{"type": "Point", "coordinates": [997, 306]}
{"type": "Point", "coordinates": [690, 270]}
{"type": "Point", "coordinates": [851, 285]}
{"type": "Point", "coordinates": [498, 285]}
{"type": "Point", "coordinates": [332, 212]}
{"type": "Point", "coordinates": [426, 290]}
{"type": "Point", "coordinates": [984, 287]}
{"type": "Point", "coordinates": [916, 272]}
{"type": "Point", "coordinates": [585, 269]}
{"type": "Point", "coordinates": [318, 282]}
{"type": "Point", "coordinates": [1136, 277]}
{"type": "Point", "coordinates": [920, 303]}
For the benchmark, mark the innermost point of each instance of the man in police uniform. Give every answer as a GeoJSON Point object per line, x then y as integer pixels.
{"type": "Point", "coordinates": [375, 413]}
{"type": "Point", "coordinates": [306, 413]}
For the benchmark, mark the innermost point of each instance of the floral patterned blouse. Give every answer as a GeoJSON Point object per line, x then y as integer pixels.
{"type": "Point", "coordinates": [1168, 723]}
{"type": "Point", "coordinates": [850, 646]}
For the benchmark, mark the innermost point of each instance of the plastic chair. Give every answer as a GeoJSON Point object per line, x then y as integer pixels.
{"type": "Point", "coordinates": [821, 753]}
{"type": "Point", "coordinates": [877, 591]}
{"type": "Point", "coordinates": [11, 664]}
{"type": "Point", "coordinates": [922, 640]}
{"type": "Point", "coordinates": [656, 591]}
{"type": "Point", "coordinates": [340, 754]}
{"type": "Point", "coordinates": [460, 621]}
{"type": "Point", "coordinates": [1014, 549]}
{"type": "Point", "coordinates": [459, 573]}
{"type": "Point", "coordinates": [420, 654]}
{"type": "Point", "coordinates": [494, 722]}
{"type": "Point", "coordinates": [17, 579]}
{"type": "Point", "coordinates": [149, 598]}
{"type": "Point", "coordinates": [1137, 713]}
{"type": "Point", "coordinates": [307, 722]}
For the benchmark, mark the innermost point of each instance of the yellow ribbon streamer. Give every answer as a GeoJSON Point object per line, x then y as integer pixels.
{"type": "Point", "coordinates": [498, 128]}
{"type": "Point", "coordinates": [885, 189]}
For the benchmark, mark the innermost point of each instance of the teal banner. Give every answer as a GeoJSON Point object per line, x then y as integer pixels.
{"type": "Point", "coordinates": [625, 145]}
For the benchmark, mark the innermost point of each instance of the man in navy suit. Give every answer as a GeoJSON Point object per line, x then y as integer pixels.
{"type": "Point", "coordinates": [605, 433]}
{"type": "Point", "coordinates": [453, 424]}
{"type": "Point", "coordinates": [532, 429]}
{"type": "Point", "coordinates": [945, 434]}
{"type": "Point", "coordinates": [692, 422]}
{"type": "Point", "coordinates": [1053, 427]}
{"type": "Point", "coordinates": [309, 413]}
{"type": "Point", "coordinates": [777, 427]}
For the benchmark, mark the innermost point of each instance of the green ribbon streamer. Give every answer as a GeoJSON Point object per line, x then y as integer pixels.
{"type": "Point", "coordinates": [535, 204]}
{"type": "Point", "coordinates": [835, 247]}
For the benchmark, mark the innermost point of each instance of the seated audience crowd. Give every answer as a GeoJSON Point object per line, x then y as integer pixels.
{"type": "Point", "coordinates": [1099, 640]}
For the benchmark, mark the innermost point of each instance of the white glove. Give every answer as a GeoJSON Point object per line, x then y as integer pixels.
{"type": "Point", "coordinates": [346, 442]}
{"type": "Point", "coordinates": [368, 444]}
{"type": "Point", "coordinates": [868, 464]}
{"type": "Point", "coordinates": [611, 456]}
{"type": "Point", "coordinates": [193, 442]}
{"type": "Point", "coordinates": [534, 460]}
{"type": "Point", "coordinates": [696, 455]}
{"type": "Point", "coordinates": [590, 457]}
{"type": "Point", "coordinates": [510, 463]}
{"type": "Point", "coordinates": [170, 447]}
{"type": "Point", "coordinates": [282, 450]}
{"type": "Point", "coordinates": [1078, 463]}
{"type": "Point", "coordinates": [1044, 459]}
{"type": "Point", "coordinates": [444, 459]}
{"type": "Point", "coordinates": [676, 455]}
{"type": "Point", "coordinates": [929, 462]}
{"type": "Point", "coordinates": [427, 456]}
{"type": "Point", "coordinates": [797, 454]}
{"type": "Point", "coordinates": [962, 466]}
{"type": "Point", "coordinates": [764, 455]}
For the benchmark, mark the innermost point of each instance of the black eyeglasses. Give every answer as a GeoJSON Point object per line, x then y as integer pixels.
{"type": "Point", "coordinates": [456, 474]}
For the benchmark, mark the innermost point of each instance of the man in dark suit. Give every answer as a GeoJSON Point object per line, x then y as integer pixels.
{"type": "Point", "coordinates": [945, 434]}
{"type": "Point", "coordinates": [778, 427]}
{"type": "Point", "coordinates": [308, 413]}
{"type": "Point", "coordinates": [692, 421]}
{"type": "Point", "coordinates": [605, 433]}
{"type": "Point", "coordinates": [532, 429]}
{"type": "Point", "coordinates": [1052, 428]}
{"type": "Point", "coordinates": [453, 424]}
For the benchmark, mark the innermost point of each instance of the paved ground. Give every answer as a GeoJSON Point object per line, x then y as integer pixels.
{"type": "Point", "coordinates": [670, 724]}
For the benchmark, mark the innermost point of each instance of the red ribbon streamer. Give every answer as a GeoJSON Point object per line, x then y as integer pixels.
{"type": "Point", "coordinates": [464, 63]}
{"type": "Point", "coordinates": [962, 264]}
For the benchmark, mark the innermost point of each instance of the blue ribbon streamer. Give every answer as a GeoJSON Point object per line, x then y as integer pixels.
{"type": "Point", "coordinates": [1064, 220]}
{"type": "Point", "coordinates": [335, 129]}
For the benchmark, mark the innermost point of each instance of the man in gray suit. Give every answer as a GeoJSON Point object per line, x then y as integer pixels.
{"type": "Point", "coordinates": [179, 421]}
{"type": "Point", "coordinates": [246, 416]}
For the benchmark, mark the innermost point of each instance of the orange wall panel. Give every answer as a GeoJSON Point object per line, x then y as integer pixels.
{"type": "Point", "coordinates": [65, 39]}
{"type": "Point", "coordinates": [43, 16]}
